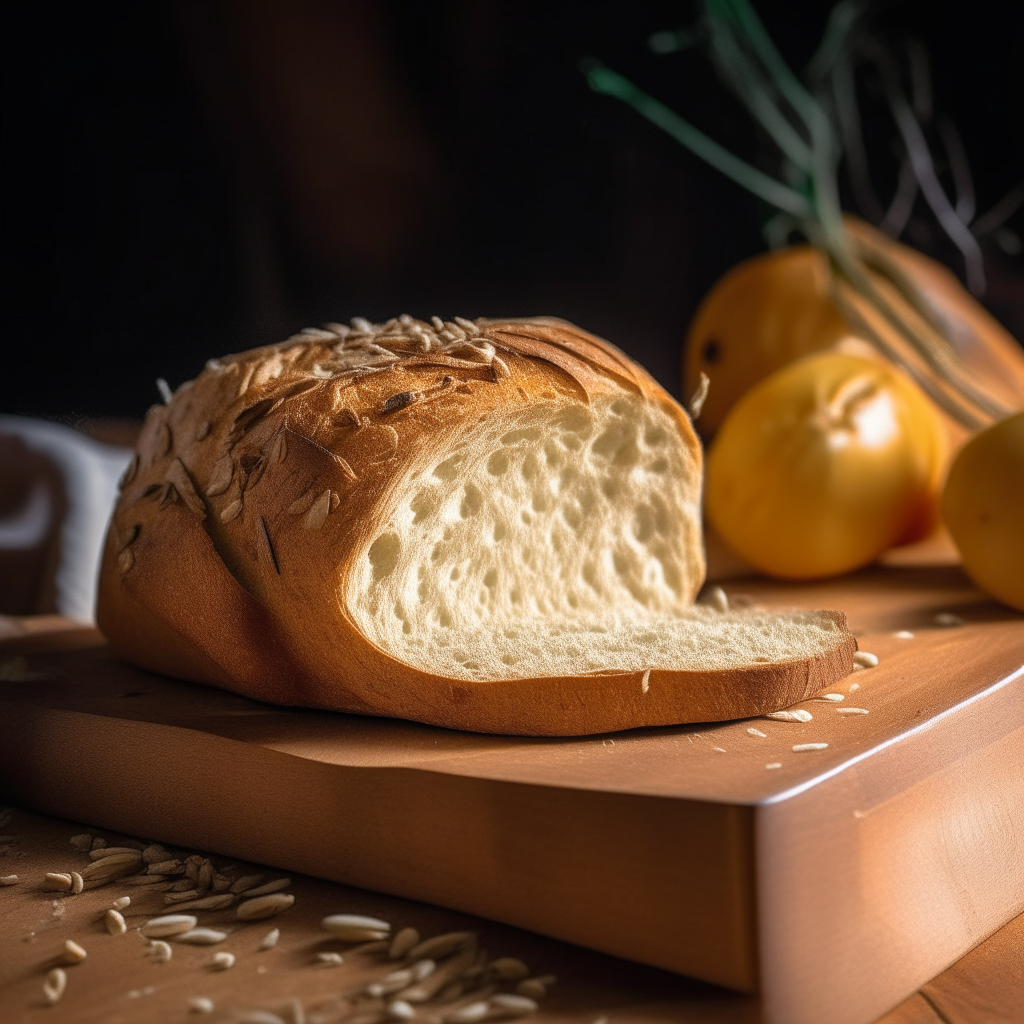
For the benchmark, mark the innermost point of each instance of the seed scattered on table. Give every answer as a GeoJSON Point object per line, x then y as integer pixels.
{"type": "Point", "coordinates": [757, 732]}
{"type": "Point", "coordinates": [851, 711]}
{"type": "Point", "coordinates": [513, 1005]}
{"type": "Point", "coordinates": [56, 881]}
{"type": "Point", "coordinates": [532, 988]}
{"type": "Point", "coordinates": [201, 936]}
{"type": "Point", "coordinates": [265, 890]}
{"type": "Point", "coordinates": [270, 939]}
{"type": "Point", "coordinates": [904, 634]}
{"type": "Point", "coordinates": [73, 952]}
{"type": "Point", "coordinates": [161, 950]}
{"type": "Point", "coordinates": [209, 902]}
{"type": "Point", "coordinates": [53, 987]}
{"type": "Point", "coordinates": [222, 961]}
{"type": "Point", "coordinates": [774, 764]}
{"type": "Point", "coordinates": [948, 620]}
{"type": "Point", "coordinates": [246, 882]}
{"type": "Point", "coordinates": [115, 922]}
{"type": "Point", "coordinates": [801, 747]}
{"type": "Point", "coordinates": [509, 968]}
{"type": "Point", "coordinates": [399, 1009]}
{"type": "Point", "coordinates": [77, 883]}
{"type": "Point", "coordinates": [353, 927]}
{"type": "Point", "coordinates": [854, 686]}
{"type": "Point", "coordinates": [8, 879]}
{"type": "Point", "coordinates": [864, 659]}
{"type": "Point", "coordinates": [832, 698]}
{"type": "Point", "coordinates": [468, 1014]}
{"type": "Point", "coordinates": [403, 942]}
{"type": "Point", "coordinates": [82, 842]}
{"type": "Point", "coordinates": [440, 946]}
{"type": "Point", "coordinates": [122, 902]}
{"type": "Point", "coordinates": [263, 906]}
{"type": "Point", "coordinates": [330, 959]}
{"type": "Point", "coordinates": [169, 924]}
{"type": "Point", "coordinates": [799, 715]}
{"type": "Point", "coordinates": [200, 1004]}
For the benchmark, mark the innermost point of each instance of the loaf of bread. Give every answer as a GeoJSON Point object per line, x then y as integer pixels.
{"type": "Point", "coordinates": [490, 525]}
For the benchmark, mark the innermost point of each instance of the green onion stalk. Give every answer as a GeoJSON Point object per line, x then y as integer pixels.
{"type": "Point", "coordinates": [808, 139]}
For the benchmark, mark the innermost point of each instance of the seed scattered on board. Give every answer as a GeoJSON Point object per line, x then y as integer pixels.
{"type": "Point", "coordinates": [161, 950]}
{"type": "Point", "coordinates": [115, 922]}
{"type": "Point", "coordinates": [864, 659]}
{"type": "Point", "coordinates": [799, 715]}
{"type": "Point", "coordinates": [8, 879]}
{"type": "Point", "coordinates": [222, 961]}
{"type": "Point", "coordinates": [270, 939]}
{"type": "Point", "coordinates": [948, 620]}
{"type": "Point", "coordinates": [903, 634]}
{"type": "Point", "coordinates": [200, 1004]}
{"type": "Point", "coordinates": [802, 747]}
{"type": "Point", "coordinates": [851, 711]}
{"type": "Point", "coordinates": [73, 952]}
{"type": "Point", "coordinates": [54, 985]}
{"type": "Point", "coordinates": [757, 732]}
{"type": "Point", "coordinates": [774, 764]}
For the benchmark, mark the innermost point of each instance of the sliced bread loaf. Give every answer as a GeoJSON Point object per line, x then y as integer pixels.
{"type": "Point", "coordinates": [489, 525]}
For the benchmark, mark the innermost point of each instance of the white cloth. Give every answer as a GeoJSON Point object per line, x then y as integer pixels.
{"type": "Point", "coordinates": [91, 471]}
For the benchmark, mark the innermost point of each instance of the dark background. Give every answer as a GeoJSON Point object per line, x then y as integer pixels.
{"type": "Point", "coordinates": [184, 179]}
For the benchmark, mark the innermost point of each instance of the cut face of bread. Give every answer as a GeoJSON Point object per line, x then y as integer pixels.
{"type": "Point", "coordinates": [490, 525]}
{"type": "Point", "coordinates": [564, 516]}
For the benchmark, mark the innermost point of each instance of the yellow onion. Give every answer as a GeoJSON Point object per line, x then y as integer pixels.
{"type": "Point", "coordinates": [983, 509]}
{"type": "Point", "coordinates": [824, 465]}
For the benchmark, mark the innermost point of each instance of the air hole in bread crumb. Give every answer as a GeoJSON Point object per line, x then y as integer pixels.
{"type": "Point", "coordinates": [472, 502]}
{"type": "Point", "coordinates": [384, 554]}
{"type": "Point", "coordinates": [497, 464]}
{"type": "Point", "coordinates": [500, 531]}
{"type": "Point", "coordinates": [491, 578]}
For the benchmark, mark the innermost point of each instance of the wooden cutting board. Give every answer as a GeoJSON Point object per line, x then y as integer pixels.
{"type": "Point", "coordinates": [834, 884]}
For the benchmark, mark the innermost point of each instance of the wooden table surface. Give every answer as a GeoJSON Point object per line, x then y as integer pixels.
{"type": "Point", "coordinates": [121, 980]}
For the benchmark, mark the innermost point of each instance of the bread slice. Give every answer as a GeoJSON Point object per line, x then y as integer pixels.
{"type": "Point", "coordinates": [489, 525]}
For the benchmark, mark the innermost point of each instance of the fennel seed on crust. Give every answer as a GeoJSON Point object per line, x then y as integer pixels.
{"type": "Point", "coordinates": [56, 881]}
{"type": "Point", "coordinates": [77, 883]}
{"type": "Point", "coordinates": [8, 879]}
{"type": "Point", "coordinates": [121, 902]}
